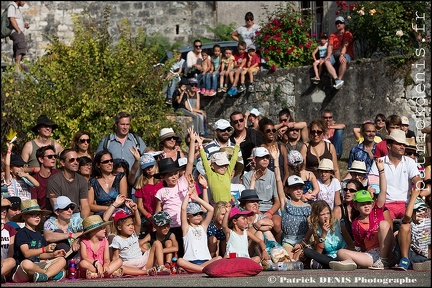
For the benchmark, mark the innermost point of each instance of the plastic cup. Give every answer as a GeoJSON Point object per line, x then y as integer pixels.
{"type": "Point", "coordinates": [232, 255]}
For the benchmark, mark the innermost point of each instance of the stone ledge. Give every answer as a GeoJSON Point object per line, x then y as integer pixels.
{"type": "Point", "coordinates": [183, 120]}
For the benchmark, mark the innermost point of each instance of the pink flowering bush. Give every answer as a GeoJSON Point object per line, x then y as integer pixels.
{"type": "Point", "coordinates": [385, 27]}
{"type": "Point", "coordinates": [284, 41]}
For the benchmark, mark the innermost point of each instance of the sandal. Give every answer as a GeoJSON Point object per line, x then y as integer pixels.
{"type": "Point", "coordinates": [180, 270]}
{"type": "Point", "coordinates": [152, 271]}
{"type": "Point", "coordinates": [380, 264]}
{"type": "Point", "coordinates": [91, 275]}
{"type": "Point", "coordinates": [403, 264]}
{"type": "Point", "coordinates": [118, 273]}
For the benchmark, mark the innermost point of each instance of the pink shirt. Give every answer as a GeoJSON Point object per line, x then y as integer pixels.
{"type": "Point", "coordinates": [99, 254]}
{"type": "Point", "coordinates": [171, 199]}
{"type": "Point", "coordinates": [148, 193]}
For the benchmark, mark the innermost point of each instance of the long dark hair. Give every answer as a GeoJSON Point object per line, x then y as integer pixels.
{"type": "Point", "coordinates": [96, 171]}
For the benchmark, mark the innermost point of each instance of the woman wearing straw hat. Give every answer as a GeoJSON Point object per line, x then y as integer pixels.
{"type": "Point", "coordinates": [30, 248]}
{"type": "Point", "coordinates": [95, 256]}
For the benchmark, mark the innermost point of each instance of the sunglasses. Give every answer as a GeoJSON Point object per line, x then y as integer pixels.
{"type": "Point", "coordinates": [107, 161]}
{"type": "Point", "coordinates": [225, 130]}
{"type": "Point", "coordinates": [294, 130]}
{"type": "Point", "coordinates": [198, 214]}
{"type": "Point", "coordinates": [328, 117]}
{"type": "Point", "coordinates": [51, 156]}
{"type": "Point", "coordinates": [270, 130]}
{"type": "Point", "coordinates": [235, 122]}
{"type": "Point", "coordinates": [339, 22]}
{"type": "Point", "coordinates": [410, 153]}
{"type": "Point", "coordinates": [249, 19]}
{"type": "Point", "coordinates": [317, 132]}
{"type": "Point", "coordinates": [193, 85]}
{"type": "Point", "coordinates": [171, 138]}
{"type": "Point", "coordinates": [351, 190]}
{"type": "Point", "coordinates": [84, 140]}
{"type": "Point", "coordinates": [71, 160]}
{"type": "Point", "coordinates": [71, 207]}
{"type": "Point", "coordinates": [198, 46]}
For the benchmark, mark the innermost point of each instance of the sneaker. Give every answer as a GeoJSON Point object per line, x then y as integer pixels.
{"type": "Point", "coordinates": [251, 88]}
{"type": "Point", "coordinates": [3, 279]}
{"type": "Point", "coordinates": [220, 90]}
{"type": "Point", "coordinates": [232, 91]}
{"type": "Point", "coordinates": [212, 92]}
{"type": "Point", "coordinates": [315, 265]}
{"type": "Point", "coordinates": [343, 266]}
{"type": "Point", "coordinates": [59, 276]}
{"type": "Point", "coordinates": [403, 264]}
{"type": "Point", "coordinates": [168, 101]}
{"type": "Point", "coordinates": [315, 80]}
{"type": "Point", "coordinates": [422, 266]}
{"type": "Point", "coordinates": [203, 91]}
{"type": "Point", "coordinates": [224, 89]}
{"type": "Point", "coordinates": [40, 277]}
{"type": "Point", "coordinates": [241, 88]}
{"type": "Point", "coordinates": [380, 264]}
{"type": "Point", "coordinates": [338, 83]}
{"type": "Point", "coordinates": [207, 93]}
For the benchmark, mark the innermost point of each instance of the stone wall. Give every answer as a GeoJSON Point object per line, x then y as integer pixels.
{"type": "Point", "coordinates": [371, 87]}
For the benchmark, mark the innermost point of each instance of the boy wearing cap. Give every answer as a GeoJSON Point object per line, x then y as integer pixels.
{"type": "Point", "coordinates": [413, 239]}
{"type": "Point", "coordinates": [405, 127]}
{"type": "Point", "coordinates": [218, 170]}
{"type": "Point", "coordinates": [12, 211]}
{"type": "Point", "coordinates": [340, 50]}
{"type": "Point", "coordinates": [252, 67]}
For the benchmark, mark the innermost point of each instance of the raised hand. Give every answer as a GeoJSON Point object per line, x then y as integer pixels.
{"type": "Point", "coordinates": [135, 152]}
{"type": "Point", "coordinates": [240, 139]}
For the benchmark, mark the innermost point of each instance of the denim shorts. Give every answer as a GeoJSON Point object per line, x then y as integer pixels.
{"type": "Point", "coordinates": [333, 61]}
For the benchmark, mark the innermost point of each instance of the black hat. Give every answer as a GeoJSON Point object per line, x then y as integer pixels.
{"type": "Point", "coordinates": [184, 81]}
{"type": "Point", "coordinates": [43, 120]}
{"type": "Point", "coordinates": [249, 195]}
{"type": "Point", "coordinates": [17, 161]}
{"type": "Point", "coordinates": [166, 165]}
{"type": "Point", "coordinates": [15, 201]}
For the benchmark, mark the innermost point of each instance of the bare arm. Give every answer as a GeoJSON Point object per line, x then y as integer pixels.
{"type": "Point", "coordinates": [382, 183]}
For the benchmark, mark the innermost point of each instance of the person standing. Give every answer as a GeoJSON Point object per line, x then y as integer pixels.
{"type": "Point", "coordinates": [246, 32]}
{"type": "Point", "coordinates": [44, 128]}
{"type": "Point", "coordinates": [340, 49]}
{"type": "Point", "coordinates": [17, 36]}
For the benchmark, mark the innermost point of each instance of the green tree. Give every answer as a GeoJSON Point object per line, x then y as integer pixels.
{"type": "Point", "coordinates": [83, 85]}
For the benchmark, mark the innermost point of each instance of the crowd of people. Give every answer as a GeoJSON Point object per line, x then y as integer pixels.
{"type": "Point", "coordinates": [129, 209]}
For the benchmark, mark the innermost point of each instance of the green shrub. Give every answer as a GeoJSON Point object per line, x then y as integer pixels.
{"type": "Point", "coordinates": [83, 85]}
{"type": "Point", "coordinates": [284, 41]}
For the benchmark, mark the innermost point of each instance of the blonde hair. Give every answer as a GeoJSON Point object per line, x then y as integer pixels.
{"type": "Point", "coordinates": [218, 208]}
{"type": "Point", "coordinates": [317, 207]}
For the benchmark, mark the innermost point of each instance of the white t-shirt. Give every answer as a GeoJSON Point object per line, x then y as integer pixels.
{"type": "Point", "coordinates": [398, 178]}
{"type": "Point", "coordinates": [327, 192]}
{"type": "Point", "coordinates": [248, 35]}
{"type": "Point", "coordinates": [128, 247]}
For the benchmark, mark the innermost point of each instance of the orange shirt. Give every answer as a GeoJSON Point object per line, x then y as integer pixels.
{"type": "Point", "coordinates": [336, 41]}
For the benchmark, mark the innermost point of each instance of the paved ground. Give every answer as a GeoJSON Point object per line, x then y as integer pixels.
{"type": "Point", "coordinates": [305, 278]}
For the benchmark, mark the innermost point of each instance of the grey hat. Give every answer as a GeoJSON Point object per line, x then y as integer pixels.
{"type": "Point", "coordinates": [249, 195]}
{"type": "Point", "coordinates": [161, 218]}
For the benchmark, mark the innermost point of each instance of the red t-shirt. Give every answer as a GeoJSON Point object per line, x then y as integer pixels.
{"type": "Point", "coordinates": [148, 193]}
{"type": "Point", "coordinates": [337, 40]}
{"type": "Point", "coordinates": [254, 59]}
{"type": "Point", "coordinates": [239, 58]}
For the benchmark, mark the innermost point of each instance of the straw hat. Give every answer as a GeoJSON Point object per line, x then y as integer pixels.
{"type": "Point", "coordinates": [358, 167]}
{"type": "Point", "coordinates": [93, 222]}
{"type": "Point", "coordinates": [398, 136]}
{"type": "Point", "coordinates": [5, 203]}
{"type": "Point", "coordinates": [29, 206]}
{"type": "Point", "coordinates": [166, 133]}
{"type": "Point", "coordinates": [411, 144]}
{"type": "Point", "coordinates": [326, 164]}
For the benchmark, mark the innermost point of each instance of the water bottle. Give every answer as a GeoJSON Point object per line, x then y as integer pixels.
{"type": "Point", "coordinates": [174, 265]}
{"type": "Point", "coordinates": [72, 269]}
{"type": "Point", "coordinates": [288, 266]}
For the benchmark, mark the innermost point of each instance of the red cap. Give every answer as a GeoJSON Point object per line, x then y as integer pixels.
{"type": "Point", "coordinates": [121, 214]}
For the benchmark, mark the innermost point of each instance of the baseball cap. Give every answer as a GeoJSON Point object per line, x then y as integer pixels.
{"type": "Point", "coordinates": [193, 208]}
{"type": "Point", "coordinates": [161, 218]}
{"type": "Point", "coordinates": [255, 112]}
{"type": "Point", "coordinates": [340, 18]}
{"type": "Point", "coordinates": [220, 158]}
{"type": "Point", "coordinates": [235, 211]}
{"type": "Point", "coordinates": [15, 202]}
{"type": "Point", "coordinates": [16, 160]}
{"type": "Point", "coordinates": [147, 160]}
{"type": "Point", "coordinates": [260, 152]}
{"type": "Point", "coordinates": [419, 203]}
{"type": "Point", "coordinates": [294, 180]}
{"type": "Point", "coordinates": [294, 158]}
{"type": "Point", "coordinates": [62, 202]}
{"type": "Point", "coordinates": [121, 214]}
{"type": "Point", "coordinates": [362, 196]}
{"type": "Point", "coordinates": [251, 47]}
{"type": "Point", "coordinates": [222, 124]}
{"type": "Point", "coordinates": [405, 120]}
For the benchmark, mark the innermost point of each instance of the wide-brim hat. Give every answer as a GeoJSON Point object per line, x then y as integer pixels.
{"type": "Point", "coordinates": [358, 167]}
{"type": "Point", "coordinates": [326, 164]}
{"type": "Point", "coordinates": [167, 133]}
{"type": "Point", "coordinates": [398, 136]}
{"type": "Point", "coordinates": [44, 120]}
{"type": "Point", "coordinates": [93, 222]}
{"type": "Point", "coordinates": [249, 195]}
{"type": "Point", "coordinates": [28, 207]}
{"type": "Point", "coordinates": [166, 165]}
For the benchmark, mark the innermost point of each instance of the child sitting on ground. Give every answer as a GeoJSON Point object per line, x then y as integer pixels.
{"type": "Point", "coordinates": [194, 226]}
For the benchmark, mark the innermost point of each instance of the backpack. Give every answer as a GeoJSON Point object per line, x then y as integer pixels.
{"type": "Point", "coordinates": [106, 141]}
{"type": "Point", "coordinates": [6, 27]}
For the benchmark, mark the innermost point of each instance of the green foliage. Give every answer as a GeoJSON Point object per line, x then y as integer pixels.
{"type": "Point", "coordinates": [222, 32]}
{"type": "Point", "coordinates": [82, 86]}
{"type": "Point", "coordinates": [386, 27]}
{"type": "Point", "coordinates": [284, 41]}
